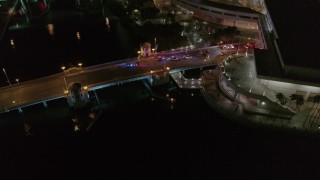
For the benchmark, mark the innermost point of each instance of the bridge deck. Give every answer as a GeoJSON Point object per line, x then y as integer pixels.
{"type": "Point", "coordinates": [52, 87]}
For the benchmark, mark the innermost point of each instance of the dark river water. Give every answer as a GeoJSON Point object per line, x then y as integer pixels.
{"type": "Point", "coordinates": [38, 46]}
{"type": "Point", "coordinates": [137, 135]}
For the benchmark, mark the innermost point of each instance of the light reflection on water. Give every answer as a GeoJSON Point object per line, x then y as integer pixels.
{"type": "Point", "coordinates": [51, 29]}
{"type": "Point", "coordinates": [40, 122]}
{"type": "Point", "coordinates": [39, 47]}
{"type": "Point", "coordinates": [137, 131]}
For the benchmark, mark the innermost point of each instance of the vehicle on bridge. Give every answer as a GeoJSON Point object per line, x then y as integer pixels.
{"type": "Point", "coordinates": [160, 58]}
{"type": "Point", "coordinates": [187, 56]}
{"type": "Point", "coordinates": [174, 58]}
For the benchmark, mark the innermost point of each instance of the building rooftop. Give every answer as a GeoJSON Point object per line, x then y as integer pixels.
{"type": "Point", "coordinates": [297, 24]}
{"type": "Point", "coordinates": [225, 6]}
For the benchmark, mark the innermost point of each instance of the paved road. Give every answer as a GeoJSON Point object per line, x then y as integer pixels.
{"type": "Point", "coordinates": [53, 86]}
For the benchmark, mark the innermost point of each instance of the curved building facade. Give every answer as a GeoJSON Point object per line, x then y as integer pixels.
{"type": "Point", "coordinates": [274, 60]}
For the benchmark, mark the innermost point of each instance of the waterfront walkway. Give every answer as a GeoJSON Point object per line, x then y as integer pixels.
{"type": "Point", "coordinates": [233, 90]}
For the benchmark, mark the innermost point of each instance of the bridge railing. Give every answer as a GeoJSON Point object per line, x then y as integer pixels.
{"type": "Point", "coordinates": [18, 105]}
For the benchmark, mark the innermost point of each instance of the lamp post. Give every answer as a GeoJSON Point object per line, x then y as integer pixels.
{"type": "Point", "coordinates": [64, 78]}
{"type": "Point", "coordinates": [6, 76]}
{"type": "Point", "coordinates": [17, 80]}
{"type": "Point", "coordinates": [239, 45]}
{"type": "Point", "coordinates": [80, 65]}
{"type": "Point", "coordinates": [139, 54]}
{"type": "Point", "coordinates": [63, 69]}
{"type": "Point", "coordinates": [247, 50]}
{"type": "Point", "coordinates": [155, 42]}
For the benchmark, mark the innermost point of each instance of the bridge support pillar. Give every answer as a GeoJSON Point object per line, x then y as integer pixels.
{"type": "Point", "coordinates": [97, 98]}
{"type": "Point", "coordinates": [77, 95]}
{"type": "Point", "coordinates": [20, 110]}
{"type": "Point", "coordinates": [45, 104]}
{"type": "Point", "coordinates": [159, 78]}
{"type": "Point", "coordinates": [5, 108]}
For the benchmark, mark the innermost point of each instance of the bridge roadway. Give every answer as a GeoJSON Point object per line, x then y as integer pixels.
{"type": "Point", "coordinates": [99, 76]}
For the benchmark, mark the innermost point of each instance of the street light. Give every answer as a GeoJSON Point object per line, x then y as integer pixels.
{"type": "Point", "coordinates": [247, 51]}
{"type": "Point", "coordinates": [17, 80]}
{"type": "Point", "coordinates": [80, 65]}
{"type": "Point", "coordinates": [63, 69]}
{"type": "Point", "coordinates": [229, 77]}
{"type": "Point", "coordinates": [139, 54]}
{"type": "Point", "coordinates": [155, 44]}
{"type": "Point", "coordinates": [64, 78]}
{"type": "Point", "coordinates": [6, 76]}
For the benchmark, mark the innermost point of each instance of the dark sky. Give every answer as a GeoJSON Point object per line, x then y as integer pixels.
{"type": "Point", "coordinates": [297, 24]}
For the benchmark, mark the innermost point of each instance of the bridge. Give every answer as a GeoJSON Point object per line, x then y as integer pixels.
{"type": "Point", "coordinates": [57, 86]}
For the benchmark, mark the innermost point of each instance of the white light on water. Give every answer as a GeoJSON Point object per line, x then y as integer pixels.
{"type": "Point", "coordinates": [51, 29]}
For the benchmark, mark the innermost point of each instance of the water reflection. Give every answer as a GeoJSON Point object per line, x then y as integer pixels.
{"type": "Point", "coordinates": [83, 118]}
{"type": "Point", "coordinates": [76, 125]}
{"type": "Point", "coordinates": [108, 24]}
{"type": "Point", "coordinates": [56, 38]}
{"type": "Point", "coordinates": [51, 29]}
{"type": "Point", "coordinates": [78, 36]}
{"type": "Point", "coordinates": [27, 129]}
{"type": "Point", "coordinates": [12, 43]}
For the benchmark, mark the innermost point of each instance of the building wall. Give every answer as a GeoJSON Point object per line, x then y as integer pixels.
{"type": "Point", "coordinates": [288, 88]}
{"type": "Point", "coordinates": [225, 17]}
{"type": "Point", "coordinates": [257, 5]}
